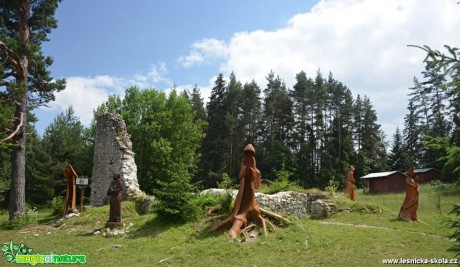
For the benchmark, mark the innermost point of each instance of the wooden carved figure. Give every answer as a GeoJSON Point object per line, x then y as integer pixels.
{"type": "Point", "coordinates": [114, 193]}
{"type": "Point", "coordinates": [409, 207]}
{"type": "Point", "coordinates": [246, 208]}
{"type": "Point", "coordinates": [350, 184]}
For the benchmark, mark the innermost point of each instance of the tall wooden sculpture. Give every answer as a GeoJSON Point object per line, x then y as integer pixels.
{"type": "Point", "coordinates": [246, 208]}
{"type": "Point", "coordinates": [350, 184]}
{"type": "Point", "coordinates": [70, 176]}
{"type": "Point", "coordinates": [409, 207]}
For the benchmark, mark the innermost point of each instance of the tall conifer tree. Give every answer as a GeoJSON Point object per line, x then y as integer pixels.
{"type": "Point", "coordinates": [24, 27]}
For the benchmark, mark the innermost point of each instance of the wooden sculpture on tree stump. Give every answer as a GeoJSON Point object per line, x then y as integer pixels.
{"type": "Point", "coordinates": [350, 184]}
{"type": "Point", "coordinates": [246, 208]}
{"type": "Point", "coordinates": [409, 207]}
{"type": "Point", "coordinates": [70, 176]}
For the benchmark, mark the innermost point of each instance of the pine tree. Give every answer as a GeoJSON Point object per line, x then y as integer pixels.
{"type": "Point", "coordinates": [412, 135]}
{"type": "Point", "coordinates": [251, 111]}
{"type": "Point", "coordinates": [278, 115]}
{"type": "Point", "coordinates": [63, 143]}
{"type": "Point", "coordinates": [235, 135]}
{"type": "Point", "coordinates": [302, 103]}
{"type": "Point", "coordinates": [398, 160]}
{"type": "Point", "coordinates": [25, 25]}
{"type": "Point", "coordinates": [197, 104]}
{"type": "Point", "coordinates": [368, 138]}
{"type": "Point", "coordinates": [214, 144]}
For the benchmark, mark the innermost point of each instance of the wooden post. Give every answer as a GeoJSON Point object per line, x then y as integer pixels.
{"type": "Point", "coordinates": [74, 195]}
{"type": "Point", "coordinates": [82, 192]}
{"type": "Point", "coordinates": [82, 183]}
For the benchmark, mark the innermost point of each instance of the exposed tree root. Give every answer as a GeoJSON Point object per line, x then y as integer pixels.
{"type": "Point", "coordinates": [214, 209]}
{"type": "Point", "coordinates": [275, 216]}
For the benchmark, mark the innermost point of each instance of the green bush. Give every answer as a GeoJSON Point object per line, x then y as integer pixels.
{"type": "Point", "coordinates": [200, 204]}
{"type": "Point", "coordinates": [281, 183]}
{"type": "Point", "coordinates": [455, 224]}
{"type": "Point", "coordinates": [331, 189]}
{"type": "Point", "coordinates": [226, 183]}
{"type": "Point", "coordinates": [31, 217]}
{"type": "Point", "coordinates": [57, 205]}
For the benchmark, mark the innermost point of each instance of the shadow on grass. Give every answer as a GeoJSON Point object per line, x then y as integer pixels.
{"type": "Point", "coordinates": [49, 219]}
{"type": "Point", "coordinates": [155, 226]}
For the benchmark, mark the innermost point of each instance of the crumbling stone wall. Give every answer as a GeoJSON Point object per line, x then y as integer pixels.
{"type": "Point", "coordinates": [289, 203]}
{"type": "Point", "coordinates": [112, 154]}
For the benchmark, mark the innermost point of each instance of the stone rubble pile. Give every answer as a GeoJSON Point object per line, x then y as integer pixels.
{"type": "Point", "coordinates": [288, 203]}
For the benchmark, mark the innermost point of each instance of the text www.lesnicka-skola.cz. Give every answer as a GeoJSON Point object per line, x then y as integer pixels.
{"type": "Point", "coordinates": [420, 261]}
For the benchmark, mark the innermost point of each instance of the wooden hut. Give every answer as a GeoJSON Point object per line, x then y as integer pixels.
{"type": "Point", "coordinates": [385, 182]}
{"type": "Point", "coordinates": [424, 176]}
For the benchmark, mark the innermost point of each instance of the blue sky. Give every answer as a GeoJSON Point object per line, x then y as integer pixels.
{"type": "Point", "coordinates": [102, 47]}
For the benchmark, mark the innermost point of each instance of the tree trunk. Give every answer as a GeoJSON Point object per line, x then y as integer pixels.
{"type": "Point", "coordinates": [18, 169]}
{"type": "Point", "coordinates": [18, 155]}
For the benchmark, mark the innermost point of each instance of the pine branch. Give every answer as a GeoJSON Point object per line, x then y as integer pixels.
{"type": "Point", "coordinates": [11, 55]}
{"type": "Point", "coordinates": [18, 128]}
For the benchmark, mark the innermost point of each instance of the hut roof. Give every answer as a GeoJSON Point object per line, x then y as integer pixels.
{"type": "Point", "coordinates": [425, 170]}
{"type": "Point", "coordinates": [380, 175]}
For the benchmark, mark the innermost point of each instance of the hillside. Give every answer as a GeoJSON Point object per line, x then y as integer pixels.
{"type": "Point", "coordinates": [360, 234]}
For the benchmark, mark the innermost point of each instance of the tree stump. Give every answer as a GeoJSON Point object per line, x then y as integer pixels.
{"type": "Point", "coordinates": [246, 209]}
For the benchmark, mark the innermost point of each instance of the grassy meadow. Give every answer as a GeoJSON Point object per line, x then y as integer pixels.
{"type": "Point", "coordinates": [358, 234]}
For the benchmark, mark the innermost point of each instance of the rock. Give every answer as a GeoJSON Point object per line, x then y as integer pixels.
{"type": "Point", "coordinates": [71, 215]}
{"type": "Point", "coordinates": [320, 209]}
{"type": "Point", "coordinates": [218, 192]}
{"type": "Point", "coordinates": [290, 203]}
{"type": "Point", "coordinates": [143, 204]}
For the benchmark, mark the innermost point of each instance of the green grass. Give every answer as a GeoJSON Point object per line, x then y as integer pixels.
{"type": "Point", "coordinates": [361, 234]}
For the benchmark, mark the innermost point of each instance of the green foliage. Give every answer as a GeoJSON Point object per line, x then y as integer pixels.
{"type": "Point", "coordinates": [282, 182]}
{"type": "Point", "coordinates": [398, 159]}
{"type": "Point", "coordinates": [166, 139]}
{"type": "Point", "coordinates": [174, 193]}
{"type": "Point", "coordinates": [331, 189]}
{"type": "Point", "coordinates": [442, 85]}
{"type": "Point", "coordinates": [56, 205]}
{"type": "Point", "coordinates": [226, 183]}
{"type": "Point", "coordinates": [455, 224]}
{"type": "Point", "coordinates": [200, 204]}
{"type": "Point", "coordinates": [30, 217]}
{"type": "Point", "coordinates": [25, 79]}
{"type": "Point", "coordinates": [164, 134]}
{"type": "Point", "coordinates": [63, 142]}
{"type": "Point", "coordinates": [40, 185]}
{"type": "Point", "coordinates": [451, 168]}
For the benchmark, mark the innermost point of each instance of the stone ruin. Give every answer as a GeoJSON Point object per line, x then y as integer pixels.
{"type": "Point", "coordinates": [289, 203]}
{"type": "Point", "coordinates": [112, 154]}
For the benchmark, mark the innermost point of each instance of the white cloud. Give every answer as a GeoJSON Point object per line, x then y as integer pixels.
{"type": "Point", "coordinates": [204, 51]}
{"type": "Point", "coordinates": [85, 94]}
{"type": "Point", "coordinates": [156, 76]}
{"type": "Point", "coordinates": [362, 42]}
